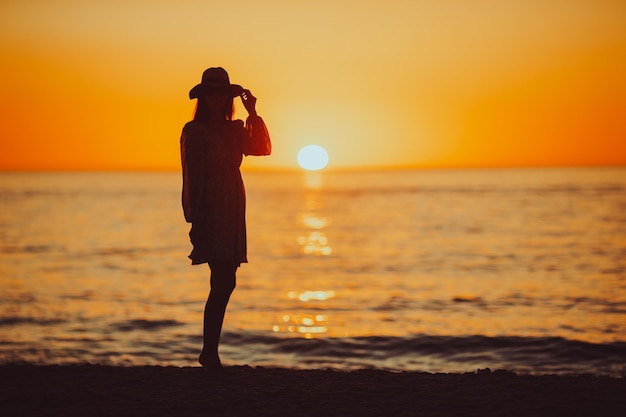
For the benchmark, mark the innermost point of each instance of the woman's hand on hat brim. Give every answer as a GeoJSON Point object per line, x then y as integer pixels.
{"type": "Point", "coordinates": [249, 102]}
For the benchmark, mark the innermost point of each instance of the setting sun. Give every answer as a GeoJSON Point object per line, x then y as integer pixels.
{"type": "Point", "coordinates": [313, 158]}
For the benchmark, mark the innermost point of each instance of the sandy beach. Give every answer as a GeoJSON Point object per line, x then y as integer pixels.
{"type": "Point", "coordinates": [92, 390]}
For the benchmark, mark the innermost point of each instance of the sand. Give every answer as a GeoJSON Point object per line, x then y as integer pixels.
{"type": "Point", "coordinates": [92, 390]}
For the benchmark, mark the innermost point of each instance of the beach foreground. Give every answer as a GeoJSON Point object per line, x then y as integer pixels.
{"type": "Point", "coordinates": [244, 391]}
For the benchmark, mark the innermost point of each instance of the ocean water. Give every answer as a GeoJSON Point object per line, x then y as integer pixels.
{"type": "Point", "coordinates": [434, 270]}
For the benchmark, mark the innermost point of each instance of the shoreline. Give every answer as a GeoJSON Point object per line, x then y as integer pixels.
{"type": "Point", "coordinates": [60, 390]}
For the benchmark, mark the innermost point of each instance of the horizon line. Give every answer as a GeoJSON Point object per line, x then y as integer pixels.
{"type": "Point", "coordinates": [327, 169]}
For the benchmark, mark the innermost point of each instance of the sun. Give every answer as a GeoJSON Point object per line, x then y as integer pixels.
{"type": "Point", "coordinates": [313, 157]}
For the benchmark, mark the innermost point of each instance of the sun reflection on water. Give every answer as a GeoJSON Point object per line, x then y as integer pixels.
{"type": "Point", "coordinates": [315, 241]}
{"type": "Point", "coordinates": [305, 324]}
{"type": "Point", "coordinates": [311, 295]}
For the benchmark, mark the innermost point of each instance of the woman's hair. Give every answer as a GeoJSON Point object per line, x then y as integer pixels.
{"type": "Point", "coordinates": [202, 110]}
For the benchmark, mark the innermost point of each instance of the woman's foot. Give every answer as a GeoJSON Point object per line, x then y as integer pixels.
{"type": "Point", "coordinates": [211, 363]}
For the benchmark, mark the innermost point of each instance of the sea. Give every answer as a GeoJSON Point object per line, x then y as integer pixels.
{"type": "Point", "coordinates": [413, 270]}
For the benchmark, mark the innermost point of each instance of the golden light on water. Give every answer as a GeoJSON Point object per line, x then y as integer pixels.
{"type": "Point", "coordinates": [311, 295]}
{"type": "Point", "coordinates": [303, 324]}
{"type": "Point", "coordinates": [306, 325]}
{"type": "Point", "coordinates": [315, 243]}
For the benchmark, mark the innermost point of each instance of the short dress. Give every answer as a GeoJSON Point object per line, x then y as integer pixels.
{"type": "Point", "coordinates": [213, 194]}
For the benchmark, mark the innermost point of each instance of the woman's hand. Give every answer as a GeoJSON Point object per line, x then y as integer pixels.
{"type": "Point", "coordinates": [249, 102]}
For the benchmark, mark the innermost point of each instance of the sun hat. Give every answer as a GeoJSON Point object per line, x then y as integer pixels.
{"type": "Point", "coordinates": [215, 78]}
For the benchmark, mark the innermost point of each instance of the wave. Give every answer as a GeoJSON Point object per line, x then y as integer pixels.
{"type": "Point", "coordinates": [415, 353]}
{"type": "Point", "coordinates": [539, 191]}
{"type": "Point", "coordinates": [16, 321]}
{"type": "Point", "coordinates": [98, 252]}
{"type": "Point", "coordinates": [141, 324]}
{"type": "Point", "coordinates": [446, 353]}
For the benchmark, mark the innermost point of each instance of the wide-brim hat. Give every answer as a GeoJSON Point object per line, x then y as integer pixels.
{"type": "Point", "coordinates": [215, 79]}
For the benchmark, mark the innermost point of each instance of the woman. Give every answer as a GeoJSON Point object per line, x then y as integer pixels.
{"type": "Point", "coordinates": [212, 148]}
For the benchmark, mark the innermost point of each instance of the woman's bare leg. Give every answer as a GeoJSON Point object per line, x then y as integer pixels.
{"type": "Point", "coordinates": [223, 282]}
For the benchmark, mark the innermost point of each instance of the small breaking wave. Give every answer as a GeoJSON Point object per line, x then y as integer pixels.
{"type": "Point", "coordinates": [446, 353]}
{"type": "Point", "coordinates": [16, 320]}
{"type": "Point", "coordinates": [141, 324]}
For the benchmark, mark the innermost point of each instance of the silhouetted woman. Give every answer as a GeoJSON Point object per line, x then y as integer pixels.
{"type": "Point", "coordinates": [212, 147]}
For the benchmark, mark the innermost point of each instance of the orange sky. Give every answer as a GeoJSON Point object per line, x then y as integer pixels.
{"type": "Point", "coordinates": [103, 84]}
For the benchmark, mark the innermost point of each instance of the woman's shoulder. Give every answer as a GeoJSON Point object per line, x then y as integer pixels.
{"type": "Point", "coordinates": [237, 123]}
{"type": "Point", "coordinates": [194, 127]}
{"type": "Point", "coordinates": [194, 131]}
{"type": "Point", "coordinates": [194, 134]}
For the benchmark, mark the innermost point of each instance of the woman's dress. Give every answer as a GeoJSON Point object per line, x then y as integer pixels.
{"type": "Point", "coordinates": [213, 195]}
